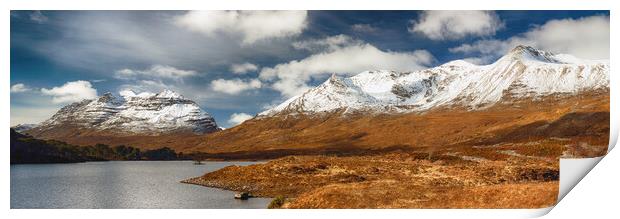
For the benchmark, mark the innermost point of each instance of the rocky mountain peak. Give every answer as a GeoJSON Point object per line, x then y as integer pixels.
{"type": "Point", "coordinates": [169, 94]}
{"type": "Point", "coordinates": [134, 114]}
{"type": "Point", "coordinates": [528, 53]}
{"type": "Point", "coordinates": [524, 72]}
{"type": "Point", "coordinates": [108, 97]}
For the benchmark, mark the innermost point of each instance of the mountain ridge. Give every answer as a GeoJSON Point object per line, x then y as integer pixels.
{"type": "Point", "coordinates": [130, 114]}
{"type": "Point", "coordinates": [21, 128]}
{"type": "Point", "coordinates": [523, 72]}
{"type": "Point", "coordinates": [448, 105]}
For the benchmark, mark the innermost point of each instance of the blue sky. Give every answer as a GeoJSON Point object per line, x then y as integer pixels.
{"type": "Point", "coordinates": [242, 62]}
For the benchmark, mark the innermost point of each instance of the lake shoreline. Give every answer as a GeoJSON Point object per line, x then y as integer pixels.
{"type": "Point", "coordinates": [394, 180]}
{"type": "Point", "coordinates": [92, 161]}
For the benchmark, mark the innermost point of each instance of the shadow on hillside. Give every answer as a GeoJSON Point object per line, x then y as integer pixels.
{"type": "Point", "coordinates": [592, 124]}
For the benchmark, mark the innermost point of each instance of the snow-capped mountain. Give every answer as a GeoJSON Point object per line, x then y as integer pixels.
{"type": "Point", "coordinates": [21, 128]}
{"type": "Point", "coordinates": [131, 113]}
{"type": "Point", "coordinates": [524, 72]}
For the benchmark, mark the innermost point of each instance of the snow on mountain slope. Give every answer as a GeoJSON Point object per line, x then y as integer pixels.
{"type": "Point", "coordinates": [21, 128]}
{"type": "Point", "coordinates": [523, 72]}
{"type": "Point", "coordinates": [144, 113]}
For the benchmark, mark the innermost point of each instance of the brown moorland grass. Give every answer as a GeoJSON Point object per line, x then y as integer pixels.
{"type": "Point", "coordinates": [390, 194]}
{"type": "Point", "coordinates": [395, 180]}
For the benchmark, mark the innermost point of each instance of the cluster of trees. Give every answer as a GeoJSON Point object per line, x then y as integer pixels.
{"type": "Point", "coordinates": [26, 149]}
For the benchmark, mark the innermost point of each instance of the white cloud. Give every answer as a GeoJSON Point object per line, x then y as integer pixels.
{"type": "Point", "coordinates": [125, 74]}
{"type": "Point", "coordinates": [149, 86]}
{"type": "Point", "coordinates": [586, 37]}
{"type": "Point", "coordinates": [243, 68]}
{"type": "Point", "coordinates": [198, 92]}
{"type": "Point", "coordinates": [291, 78]}
{"type": "Point", "coordinates": [483, 46]}
{"type": "Point", "coordinates": [251, 25]}
{"type": "Point", "coordinates": [238, 118]}
{"type": "Point", "coordinates": [38, 17]}
{"type": "Point", "coordinates": [127, 93]}
{"type": "Point", "coordinates": [235, 86]}
{"type": "Point", "coordinates": [450, 25]}
{"type": "Point", "coordinates": [158, 71]}
{"type": "Point", "coordinates": [363, 28]}
{"type": "Point", "coordinates": [147, 38]}
{"type": "Point", "coordinates": [19, 88]}
{"type": "Point", "coordinates": [330, 43]}
{"type": "Point", "coordinates": [72, 91]}
{"type": "Point", "coordinates": [478, 60]}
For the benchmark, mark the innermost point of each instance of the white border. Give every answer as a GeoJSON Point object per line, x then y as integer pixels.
{"type": "Point", "coordinates": [281, 5]}
{"type": "Point", "coordinates": [596, 196]}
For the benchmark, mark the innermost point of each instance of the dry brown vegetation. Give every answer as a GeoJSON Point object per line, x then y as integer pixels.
{"type": "Point", "coordinates": [583, 119]}
{"type": "Point", "coordinates": [80, 136]}
{"type": "Point", "coordinates": [506, 156]}
{"type": "Point", "coordinates": [447, 179]}
{"type": "Point", "coordinates": [403, 195]}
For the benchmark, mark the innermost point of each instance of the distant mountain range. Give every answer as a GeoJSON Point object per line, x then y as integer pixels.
{"type": "Point", "coordinates": [526, 95]}
{"type": "Point", "coordinates": [452, 103]}
{"type": "Point", "coordinates": [21, 128]}
{"type": "Point", "coordinates": [524, 72]}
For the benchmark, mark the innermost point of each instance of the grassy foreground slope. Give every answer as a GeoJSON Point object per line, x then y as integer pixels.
{"type": "Point", "coordinates": [505, 156]}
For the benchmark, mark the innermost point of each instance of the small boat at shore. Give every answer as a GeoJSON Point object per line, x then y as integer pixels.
{"type": "Point", "coordinates": [242, 195]}
{"type": "Point", "coordinates": [198, 162]}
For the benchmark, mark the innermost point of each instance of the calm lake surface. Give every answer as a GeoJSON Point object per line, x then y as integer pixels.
{"type": "Point", "coordinates": [120, 184]}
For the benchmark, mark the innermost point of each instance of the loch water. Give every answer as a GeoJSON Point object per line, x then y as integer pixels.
{"type": "Point", "coordinates": [121, 184]}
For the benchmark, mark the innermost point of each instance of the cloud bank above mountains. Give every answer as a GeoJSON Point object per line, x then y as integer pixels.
{"type": "Point", "coordinates": [586, 37]}
{"type": "Point", "coordinates": [240, 61]}
{"type": "Point", "coordinates": [251, 26]}
{"type": "Point", "coordinates": [72, 91]}
{"type": "Point", "coordinates": [339, 57]}
{"type": "Point", "coordinates": [451, 25]}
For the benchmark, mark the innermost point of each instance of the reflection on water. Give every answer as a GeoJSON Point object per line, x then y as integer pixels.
{"type": "Point", "coordinates": [120, 184]}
